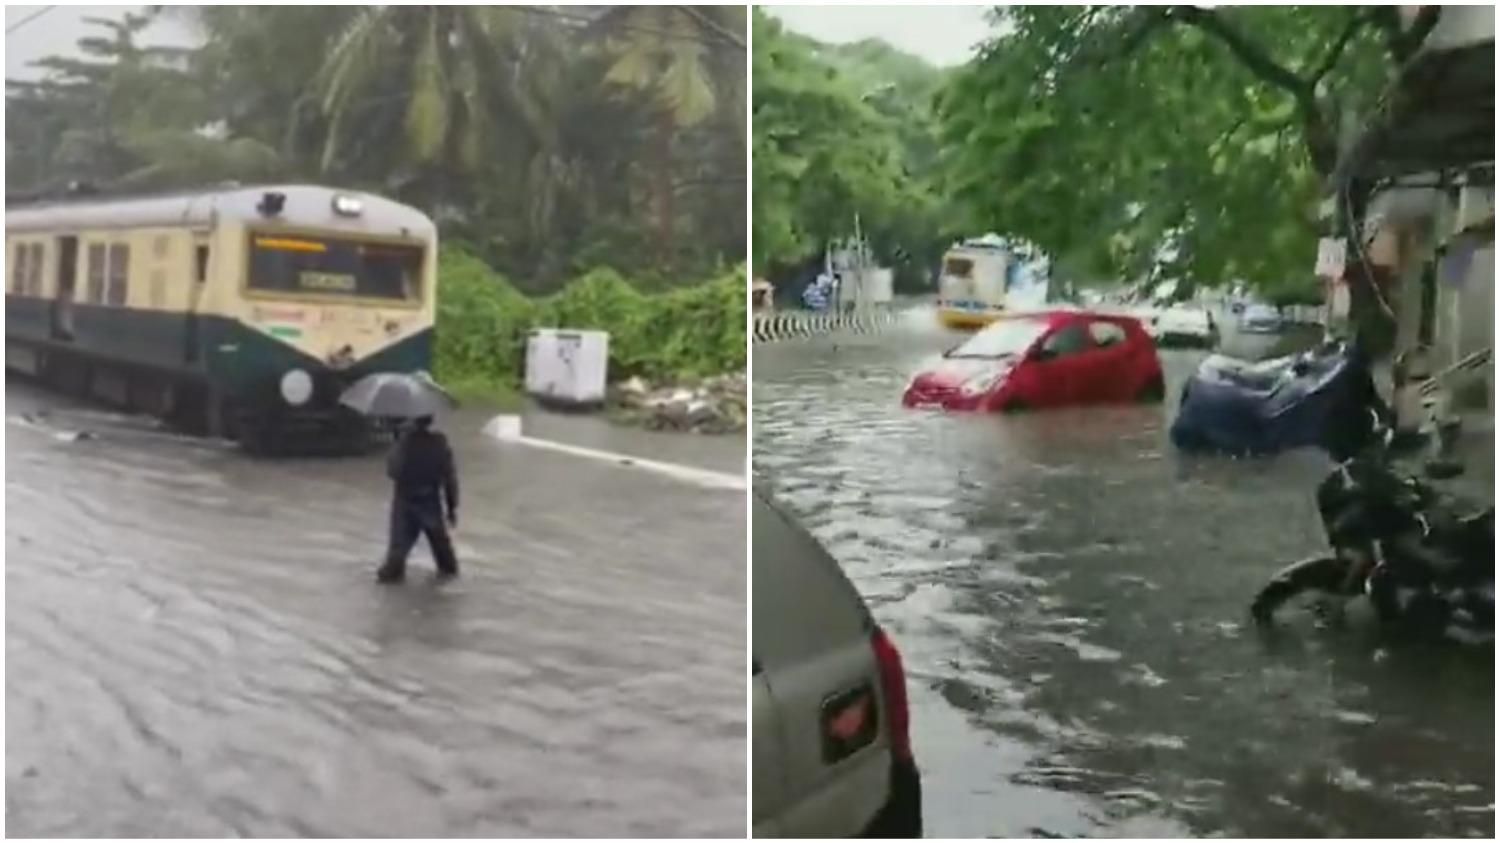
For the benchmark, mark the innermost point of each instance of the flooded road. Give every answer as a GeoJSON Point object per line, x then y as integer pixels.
{"type": "Point", "coordinates": [1070, 596]}
{"type": "Point", "coordinates": [196, 645]}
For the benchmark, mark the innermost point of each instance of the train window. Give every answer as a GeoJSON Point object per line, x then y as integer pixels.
{"type": "Point", "coordinates": [18, 269]}
{"type": "Point", "coordinates": [325, 267]}
{"type": "Point", "coordinates": [119, 273]}
{"type": "Point", "coordinates": [200, 258]}
{"type": "Point", "coordinates": [34, 270]}
{"type": "Point", "coordinates": [95, 290]}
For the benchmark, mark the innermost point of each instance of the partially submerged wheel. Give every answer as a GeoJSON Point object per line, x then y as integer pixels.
{"type": "Point", "coordinates": [1320, 573]}
{"type": "Point", "coordinates": [1155, 390]}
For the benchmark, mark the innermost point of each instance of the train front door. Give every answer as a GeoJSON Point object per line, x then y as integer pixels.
{"type": "Point", "coordinates": [192, 338]}
{"type": "Point", "coordinates": [67, 283]}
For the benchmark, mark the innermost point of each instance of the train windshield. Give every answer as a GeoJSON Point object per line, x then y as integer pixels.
{"type": "Point", "coordinates": [321, 266]}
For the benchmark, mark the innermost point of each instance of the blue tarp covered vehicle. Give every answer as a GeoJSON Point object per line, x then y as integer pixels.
{"type": "Point", "coordinates": [1319, 398]}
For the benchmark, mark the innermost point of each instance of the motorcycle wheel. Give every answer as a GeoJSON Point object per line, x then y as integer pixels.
{"type": "Point", "coordinates": [1320, 573]}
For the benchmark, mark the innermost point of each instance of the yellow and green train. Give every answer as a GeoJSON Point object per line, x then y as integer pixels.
{"type": "Point", "coordinates": [242, 311]}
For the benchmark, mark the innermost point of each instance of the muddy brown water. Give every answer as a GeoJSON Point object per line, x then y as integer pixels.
{"type": "Point", "coordinates": [195, 645]}
{"type": "Point", "coordinates": [1070, 597]}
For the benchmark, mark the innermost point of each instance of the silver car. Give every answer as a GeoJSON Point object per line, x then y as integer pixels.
{"type": "Point", "coordinates": [831, 750]}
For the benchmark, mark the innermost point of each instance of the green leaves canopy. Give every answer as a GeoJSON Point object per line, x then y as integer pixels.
{"type": "Point", "coordinates": [504, 123]}
{"type": "Point", "coordinates": [1192, 141]}
{"type": "Point", "coordinates": [839, 131]}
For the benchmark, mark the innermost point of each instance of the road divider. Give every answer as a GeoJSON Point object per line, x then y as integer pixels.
{"type": "Point", "coordinates": [507, 428]}
{"type": "Point", "coordinates": [774, 327]}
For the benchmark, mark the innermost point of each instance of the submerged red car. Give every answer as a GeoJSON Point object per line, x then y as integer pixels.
{"type": "Point", "coordinates": [1040, 360]}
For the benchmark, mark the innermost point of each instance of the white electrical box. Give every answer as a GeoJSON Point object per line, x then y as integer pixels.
{"type": "Point", "coordinates": [567, 367]}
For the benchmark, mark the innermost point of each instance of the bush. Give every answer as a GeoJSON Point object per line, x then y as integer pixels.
{"type": "Point", "coordinates": [483, 322]}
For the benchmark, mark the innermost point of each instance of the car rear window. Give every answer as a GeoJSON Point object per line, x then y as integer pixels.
{"type": "Point", "coordinates": [801, 601]}
{"type": "Point", "coordinates": [1106, 334]}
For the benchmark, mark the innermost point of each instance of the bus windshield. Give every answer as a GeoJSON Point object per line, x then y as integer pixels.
{"type": "Point", "coordinates": [302, 265]}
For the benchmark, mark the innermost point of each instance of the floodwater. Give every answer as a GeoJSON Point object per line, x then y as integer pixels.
{"type": "Point", "coordinates": [1070, 597]}
{"type": "Point", "coordinates": [196, 645]}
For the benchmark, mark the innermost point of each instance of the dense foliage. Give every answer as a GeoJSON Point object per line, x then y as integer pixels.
{"type": "Point", "coordinates": [554, 139]}
{"type": "Point", "coordinates": [483, 322]}
{"type": "Point", "coordinates": [839, 131]}
{"type": "Point", "coordinates": [1187, 141]}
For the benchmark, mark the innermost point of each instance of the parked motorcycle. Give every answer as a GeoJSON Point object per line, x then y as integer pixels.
{"type": "Point", "coordinates": [1424, 562]}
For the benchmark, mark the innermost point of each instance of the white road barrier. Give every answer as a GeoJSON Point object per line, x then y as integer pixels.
{"type": "Point", "coordinates": [771, 327]}
{"type": "Point", "coordinates": [507, 428]}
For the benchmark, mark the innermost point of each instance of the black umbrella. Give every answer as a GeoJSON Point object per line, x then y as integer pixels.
{"type": "Point", "coordinates": [398, 395]}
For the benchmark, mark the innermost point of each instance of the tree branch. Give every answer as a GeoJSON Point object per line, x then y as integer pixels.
{"type": "Point", "coordinates": [1147, 19]}
{"type": "Point", "coordinates": [1251, 55]}
{"type": "Point", "coordinates": [1357, 20]}
{"type": "Point", "coordinates": [708, 23]}
{"type": "Point", "coordinates": [1402, 44]}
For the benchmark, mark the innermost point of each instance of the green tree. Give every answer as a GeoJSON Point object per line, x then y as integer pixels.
{"type": "Point", "coordinates": [123, 116]}
{"type": "Point", "coordinates": [501, 123]}
{"type": "Point", "coordinates": [1182, 139]}
{"type": "Point", "coordinates": [667, 55]}
{"type": "Point", "coordinates": [840, 131]}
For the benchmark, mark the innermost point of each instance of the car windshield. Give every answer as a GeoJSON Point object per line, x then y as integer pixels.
{"type": "Point", "coordinates": [1002, 339]}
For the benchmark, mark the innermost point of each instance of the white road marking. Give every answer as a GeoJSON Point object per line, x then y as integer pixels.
{"type": "Point", "coordinates": [508, 429]}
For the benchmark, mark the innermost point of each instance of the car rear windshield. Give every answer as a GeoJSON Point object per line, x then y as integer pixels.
{"type": "Point", "coordinates": [1002, 339]}
{"type": "Point", "coordinates": [328, 267]}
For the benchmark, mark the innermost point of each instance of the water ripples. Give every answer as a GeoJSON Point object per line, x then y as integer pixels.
{"type": "Point", "coordinates": [196, 647]}
{"type": "Point", "coordinates": [1070, 596]}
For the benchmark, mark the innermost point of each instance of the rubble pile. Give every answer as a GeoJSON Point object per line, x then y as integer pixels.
{"type": "Point", "coordinates": [713, 405]}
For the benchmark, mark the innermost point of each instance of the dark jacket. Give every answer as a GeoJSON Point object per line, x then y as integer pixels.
{"type": "Point", "coordinates": [421, 465]}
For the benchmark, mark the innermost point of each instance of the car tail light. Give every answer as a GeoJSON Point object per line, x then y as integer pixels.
{"type": "Point", "coordinates": [893, 683]}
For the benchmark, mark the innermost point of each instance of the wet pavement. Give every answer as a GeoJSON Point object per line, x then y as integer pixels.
{"type": "Point", "coordinates": [1070, 596]}
{"type": "Point", "coordinates": [196, 646]}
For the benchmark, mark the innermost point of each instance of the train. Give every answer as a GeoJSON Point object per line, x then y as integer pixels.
{"type": "Point", "coordinates": [237, 312]}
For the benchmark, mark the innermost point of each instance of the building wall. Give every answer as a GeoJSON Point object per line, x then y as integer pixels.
{"type": "Point", "coordinates": [1407, 229]}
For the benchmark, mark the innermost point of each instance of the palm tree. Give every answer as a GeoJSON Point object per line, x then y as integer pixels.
{"type": "Point", "coordinates": [456, 84]}
{"type": "Point", "coordinates": [675, 57]}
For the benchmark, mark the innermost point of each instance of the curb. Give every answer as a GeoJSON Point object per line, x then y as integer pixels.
{"type": "Point", "coordinates": [776, 327]}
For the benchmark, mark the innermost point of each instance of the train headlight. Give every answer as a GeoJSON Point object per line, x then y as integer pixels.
{"type": "Point", "coordinates": [296, 387]}
{"type": "Point", "coordinates": [347, 206]}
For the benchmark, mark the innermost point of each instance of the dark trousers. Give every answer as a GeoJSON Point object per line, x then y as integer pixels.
{"type": "Point", "coordinates": [411, 518]}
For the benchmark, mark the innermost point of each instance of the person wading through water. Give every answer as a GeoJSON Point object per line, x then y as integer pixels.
{"type": "Point", "coordinates": [421, 464]}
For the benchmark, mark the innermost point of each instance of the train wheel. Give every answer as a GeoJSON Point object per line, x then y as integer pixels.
{"type": "Point", "coordinates": [151, 394]}
{"type": "Point", "coordinates": [258, 434]}
{"type": "Point", "coordinates": [219, 420]}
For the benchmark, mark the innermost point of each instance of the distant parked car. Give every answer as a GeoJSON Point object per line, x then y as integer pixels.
{"type": "Point", "coordinates": [1189, 327]}
{"type": "Point", "coordinates": [1146, 315]}
{"type": "Point", "coordinates": [1260, 319]}
{"type": "Point", "coordinates": [1039, 360]}
{"type": "Point", "coordinates": [831, 752]}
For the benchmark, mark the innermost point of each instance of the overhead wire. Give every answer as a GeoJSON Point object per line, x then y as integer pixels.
{"type": "Point", "coordinates": [28, 19]}
{"type": "Point", "coordinates": [721, 35]}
